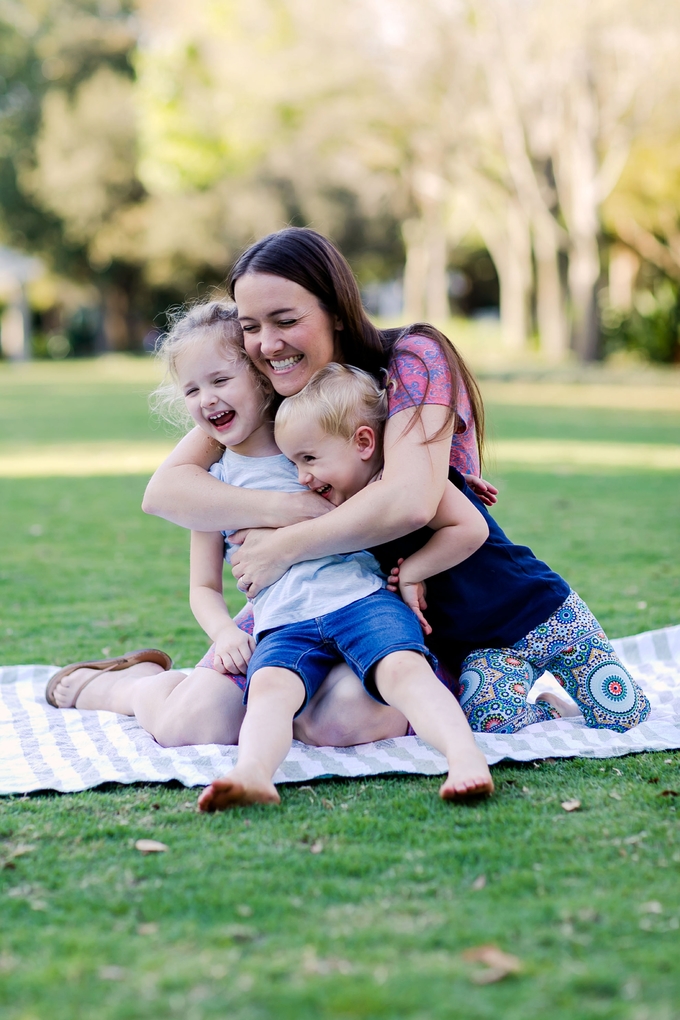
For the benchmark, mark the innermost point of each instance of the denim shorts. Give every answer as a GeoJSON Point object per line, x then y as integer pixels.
{"type": "Point", "coordinates": [361, 634]}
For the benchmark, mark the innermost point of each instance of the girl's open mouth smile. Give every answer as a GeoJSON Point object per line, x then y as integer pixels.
{"type": "Point", "coordinates": [221, 419]}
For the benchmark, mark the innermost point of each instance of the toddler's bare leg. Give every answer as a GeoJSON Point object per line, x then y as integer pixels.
{"type": "Point", "coordinates": [341, 713]}
{"type": "Point", "coordinates": [274, 696]}
{"type": "Point", "coordinates": [405, 680]}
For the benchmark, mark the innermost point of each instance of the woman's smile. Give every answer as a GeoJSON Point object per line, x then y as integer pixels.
{"type": "Point", "coordinates": [287, 333]}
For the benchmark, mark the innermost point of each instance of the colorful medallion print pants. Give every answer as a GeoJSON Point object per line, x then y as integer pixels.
{"type": "Point", "coordinates": [494, 682]}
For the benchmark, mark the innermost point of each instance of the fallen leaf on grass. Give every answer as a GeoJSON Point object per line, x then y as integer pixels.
{"type": "Point", "coordinates": [669, 793]}
{"type": "Point", "coordinates": [316, 847]}
{"type": "Point", "coordinates": [498, 965]}
{"type": "Point", "coordinates": [615, 795]}
{"type": "Point", "coordinates": [654, 779]}
{"type": "Point", "coordinates": [479, 883]}
{"type": "Point", "coordinates": [148, 928]}
{"type": "Point", "coordinates": [22, 848]}
{"type": "Point", "coordinates": [18, 851]}
{"type": "Point", "coordinates": [150, 846]}
{"type": "Point", "coordinates": [328, 804]}
{"type": "Point", "coordinates": [653, 907]}
{"type": "Point", "coordinates": [571, 805]}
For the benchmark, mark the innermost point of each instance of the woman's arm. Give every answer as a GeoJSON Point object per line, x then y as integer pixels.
{"type": "Point", "coordinates": [403, 500]}
{"type": "Point", "coordinates": [182, 491]}
{"type": "Point", "coordinates": [233, 647]}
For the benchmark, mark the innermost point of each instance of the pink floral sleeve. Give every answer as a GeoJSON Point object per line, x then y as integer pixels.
{"type": "Point", "coordinates": [419, 374]}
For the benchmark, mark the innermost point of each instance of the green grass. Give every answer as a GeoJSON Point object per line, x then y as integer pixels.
{"type": "Point", "coordinates": [249, 923]}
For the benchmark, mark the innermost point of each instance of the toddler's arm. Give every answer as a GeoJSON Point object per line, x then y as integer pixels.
{"type": "Point", "coordinates": [233, 647]}
{"type": "Point", "coordinates": [459, 529]}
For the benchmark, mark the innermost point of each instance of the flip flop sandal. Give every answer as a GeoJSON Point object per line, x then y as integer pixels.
{"type": "Point", "coordinates": [105, 666]}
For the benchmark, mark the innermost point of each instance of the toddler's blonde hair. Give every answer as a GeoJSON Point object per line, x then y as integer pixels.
{"type": "Point", "coordinates": [339, 399]}
{"type": "Point", "coordinates": [207, 321]}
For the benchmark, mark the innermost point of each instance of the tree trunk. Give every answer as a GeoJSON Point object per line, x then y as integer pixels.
{"type": "Point", "coordinates": [624, 266]}
{"type": "Point", "coordinates": [584, 272]}
{"type": "Point", "coordinates": [511, 251]}
{"type": "Point", "coordinates": [425, 279]}
{"type": "Point", "coordinates": [552, 326]}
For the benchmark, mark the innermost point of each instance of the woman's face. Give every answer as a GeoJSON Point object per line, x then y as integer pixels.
{"type": "Point", "coordinates": [287, 334]}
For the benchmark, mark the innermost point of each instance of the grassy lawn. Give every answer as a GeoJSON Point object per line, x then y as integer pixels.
{"type": "Point", "coordinates": [239, 918]}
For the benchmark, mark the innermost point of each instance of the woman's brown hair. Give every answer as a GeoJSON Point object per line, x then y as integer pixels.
{"type": "Point", "coordinates": [309, 259]}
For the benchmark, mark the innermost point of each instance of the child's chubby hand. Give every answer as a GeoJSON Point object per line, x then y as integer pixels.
{"type": "Point", "coordinates": [233, 648]}
{"type": "Point", "coordinates": [411, 591]}
{"type": "Point", "coordinates": [483, 490]}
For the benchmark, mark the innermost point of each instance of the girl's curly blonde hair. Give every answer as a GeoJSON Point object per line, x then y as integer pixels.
{"type": "Point", "coordinates": [215, 321]}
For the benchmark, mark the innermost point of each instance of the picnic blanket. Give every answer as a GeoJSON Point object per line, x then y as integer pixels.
{"type": "Point", "coordinates": [44, 748]}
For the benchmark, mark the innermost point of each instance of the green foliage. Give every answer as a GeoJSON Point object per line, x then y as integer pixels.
{"type": "Point", "coordinates": [651, 329]}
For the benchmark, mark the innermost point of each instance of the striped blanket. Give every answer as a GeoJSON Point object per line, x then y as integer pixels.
{"type": "Point", "coordinates": [43, 748]}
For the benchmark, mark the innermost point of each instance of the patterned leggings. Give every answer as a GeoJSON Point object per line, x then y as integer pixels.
{"type": "Point", "coordinates": [494, 682]}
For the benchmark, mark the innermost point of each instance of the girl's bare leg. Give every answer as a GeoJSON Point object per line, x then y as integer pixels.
{"type": "Point", "coordinates": [341, 714]}
{"type": "Point", "coordinates": [274, 697]}
{"type": "Point", "coordinates": [405, 680]}
{"type": "Point", "coordinates": [203, 707]}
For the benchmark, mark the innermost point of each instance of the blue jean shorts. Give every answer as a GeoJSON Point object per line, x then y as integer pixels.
{"type": "Point", "coordinates": [361, 634]}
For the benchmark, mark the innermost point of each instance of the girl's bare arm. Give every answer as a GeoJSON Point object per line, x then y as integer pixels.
{"type": "Point", "coordinates": [405, 499]}
{"type": "Point", "coordinates": [233, 647]}
{"type": "Point", "coordinates": [182, 491]}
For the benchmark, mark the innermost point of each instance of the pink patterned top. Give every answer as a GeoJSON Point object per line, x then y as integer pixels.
{"type": "Point", "coordinates": [419, 373]}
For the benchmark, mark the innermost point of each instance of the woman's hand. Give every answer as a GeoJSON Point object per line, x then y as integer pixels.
{"type": "Point", "coordinates": [483, 490]}
{"type": "Point", "coordinates": [259, 561]}
{"type": "Point", "coordinates": [233, 648]}
{"type": "Point", "coordinates": [412, 592]}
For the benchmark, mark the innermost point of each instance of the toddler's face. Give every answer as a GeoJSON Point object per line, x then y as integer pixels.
{"type": "Point", "coordinates": [220, 393]}
{"type": "Point", "coordinates": [335, 467]}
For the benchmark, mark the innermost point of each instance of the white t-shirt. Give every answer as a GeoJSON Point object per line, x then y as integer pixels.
{"type": "Point", "coordinates": [308, 589]}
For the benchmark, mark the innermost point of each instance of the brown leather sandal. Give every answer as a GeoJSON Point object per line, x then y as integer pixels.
{"type": "Point", "coordinates": [105, 666]}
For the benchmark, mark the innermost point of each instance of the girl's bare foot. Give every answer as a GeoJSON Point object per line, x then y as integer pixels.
{"type": "Point", "coordinates": [566, 709]}
{"type": "Point", "coordinates": [469, 778]}
{"type": "Point", "coordinates": [238, 789]}
{"type": "Point", "coordinates": [104, 690]}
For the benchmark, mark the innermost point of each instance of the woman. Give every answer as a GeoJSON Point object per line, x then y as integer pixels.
{"type": "Point", "coordinates": [300, 308]}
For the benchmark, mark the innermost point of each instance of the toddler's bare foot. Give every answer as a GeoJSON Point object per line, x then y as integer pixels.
{"type": "Point", "coordinates": [103, 691]}
{"type": "Point", "coordinates": [238, 789]}
{"type": "Point", "coordinates": [566, 709]}
{"type": "Point", "coordinates": [468, 778]}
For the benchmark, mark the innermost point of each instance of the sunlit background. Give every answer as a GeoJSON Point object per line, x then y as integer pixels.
{"type": "Point", "coordinates": [511, 164]}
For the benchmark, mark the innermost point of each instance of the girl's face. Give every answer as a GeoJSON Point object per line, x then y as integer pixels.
{"type": "Point", "coordinates": [223, 398]}
{"type": "Point", "coordinates": [287, 334]}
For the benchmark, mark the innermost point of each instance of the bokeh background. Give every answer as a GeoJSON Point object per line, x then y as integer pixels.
{"type": "Point", "coordinates": [512, 163]}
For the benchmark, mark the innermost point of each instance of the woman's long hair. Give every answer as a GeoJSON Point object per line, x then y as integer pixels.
{"type": "Point", "coordinates": [309, 259]}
